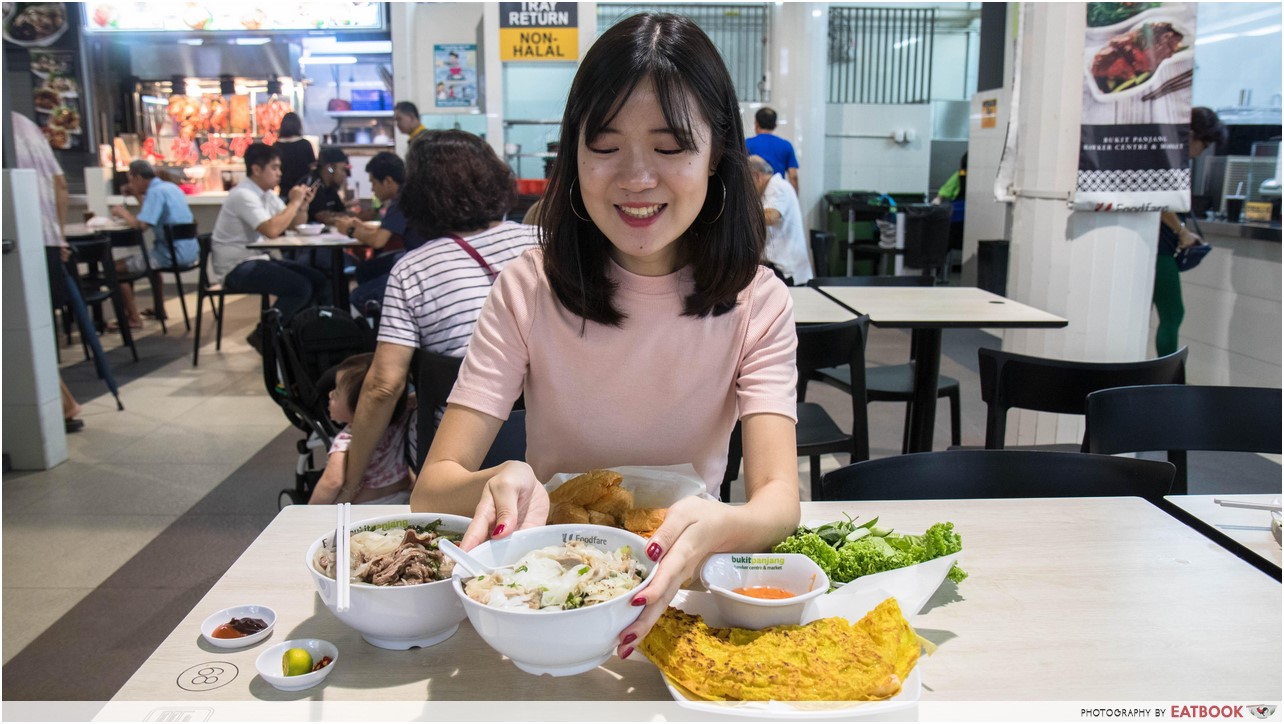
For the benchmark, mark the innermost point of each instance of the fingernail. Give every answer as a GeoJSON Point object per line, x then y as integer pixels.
{"type": "Point", "coordinates": [629, 639]}
{"type": "Point", "coordinates": [498, 529]}
{"type": "Point", "coordinates": [626, 653]}
{"type": "Point", "coordinates": [639, 601]}
{"type": "Point", "coordinates": [653, 551]}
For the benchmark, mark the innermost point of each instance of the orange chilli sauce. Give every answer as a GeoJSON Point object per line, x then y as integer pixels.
{"type": "Point", "coordinates": [764, 592]}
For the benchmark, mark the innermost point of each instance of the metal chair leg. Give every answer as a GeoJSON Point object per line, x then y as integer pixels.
{"type": "Point", "coordinates": [182, 300]}
{"type": "Point", "coordinates": [196, 341]}
{"type": "Point", "coordinates": [218, 335]}
{"type": "Point", "coordinates": [956, 415]}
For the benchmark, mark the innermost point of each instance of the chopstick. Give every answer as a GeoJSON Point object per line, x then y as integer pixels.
{"type": "Point", "coordinates": [342, 564]}
{"type": "Point", "coordinates": [1172, 85]}
{"type": "Point", "coordinates": [1246, 504]}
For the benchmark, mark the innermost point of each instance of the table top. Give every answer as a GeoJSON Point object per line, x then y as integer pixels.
{"type": "Point", "coordinates": [325, 240]}
{"type": "Point", "coordinates": [74, 231]}
{"type": "Point", "coordinates": [1073, 599]}
{"type": "Point", "coordinates": [812, 307]}
{"type": "Point", "coordinates": [1251, 528]}
{"type": "Point", "coordinates": [940, 307]}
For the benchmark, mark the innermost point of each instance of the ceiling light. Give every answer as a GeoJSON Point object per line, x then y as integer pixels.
{"type": "Point", "coordinates": [1216, 38]}
{"type": "Point", "coordinates": [192, 41]}
{"type": "Point", "coordinates": [328, 60]}
{"type": "Point", "coordinates": [252, 41]}
{"type": "Point", "coordinates": [1268, 30]}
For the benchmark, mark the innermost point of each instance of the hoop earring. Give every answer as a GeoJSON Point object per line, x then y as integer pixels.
{"type": "Point", "coordinates": [571, 195]}
{"type": "Point", "coordinates": [724, 199]}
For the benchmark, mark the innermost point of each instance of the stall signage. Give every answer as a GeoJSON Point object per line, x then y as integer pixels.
{"type": "Point", "coordinates": [539, 31]}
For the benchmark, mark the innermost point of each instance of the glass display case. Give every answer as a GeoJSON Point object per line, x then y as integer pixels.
{"type": "Point", "coordinates": [200, 127]}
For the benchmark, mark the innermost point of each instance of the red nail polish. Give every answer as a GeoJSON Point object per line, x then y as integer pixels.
{"type": "Point", "coordinates": [639, 601]}
{"type": "Point", "coordinates": [626, 653]}
{"type": "Point", "coordinates": [498, 529]}
{"type": "Point", "coordinates": [629, 639]}
{"type": "Point", "coordinates": [653, 551]}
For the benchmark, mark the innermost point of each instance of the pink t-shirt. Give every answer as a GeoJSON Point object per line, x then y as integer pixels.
{"type": "Point", "coordinates": [388, 464]}
{"type": "Point", "coordinates": [663, 389]}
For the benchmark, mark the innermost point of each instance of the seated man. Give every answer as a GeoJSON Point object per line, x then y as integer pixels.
{"type": "Point", "coordinates": [330, 179]}
{"type": "Point", "coordinates": [786, 249]}
{"type": "Point", "coordinates": [391, 239]}
{"type": "Point", "coordinates": [163, 204]}
{"type": "Point", "coordinates": [253, 209]}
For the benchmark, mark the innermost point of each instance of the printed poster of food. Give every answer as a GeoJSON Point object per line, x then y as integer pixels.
{"type": "Point", "coordinates": [1138, 64]}
{"type": "Point", "coordinates": [56, 98]}
{"type": "Point", "coordinates": [455, 74]}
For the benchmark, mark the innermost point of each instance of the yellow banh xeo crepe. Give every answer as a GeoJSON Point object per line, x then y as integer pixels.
{"type": "Point", "coordinates": [828, 659]}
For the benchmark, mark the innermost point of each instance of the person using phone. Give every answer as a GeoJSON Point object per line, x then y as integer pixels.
{"type": "Point", "coordinates": [328, 180]}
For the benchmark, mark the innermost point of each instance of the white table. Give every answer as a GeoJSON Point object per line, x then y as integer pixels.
{"type": "Point", "coordinates": [1088, 599]}
{"type": "Point", "coordinates": [926, 311]}
{"type": "Point", "coordinates": [1249, 528]}
{"type": "Point", "coordinates": [336, 243]}
{"type": "Point", "coordinates": [812, 307]}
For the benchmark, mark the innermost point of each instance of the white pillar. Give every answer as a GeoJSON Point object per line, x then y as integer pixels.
{"type": "Point", "coordinates": [1094, 269]}
{"type": "Point", "coordinates": [799, 43]}
{"type": "Point", "coordinates": [34, 438]}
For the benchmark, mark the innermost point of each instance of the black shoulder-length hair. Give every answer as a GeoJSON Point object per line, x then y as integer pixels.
{"type": "Point", "coordinates": [454, 182]}
{"type": "Point", "coordinates": [724, 245]}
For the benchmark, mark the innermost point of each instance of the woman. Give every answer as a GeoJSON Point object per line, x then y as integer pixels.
{"type": "Point", "coordinates": [296, 152]}
{"type": "Point", "coordinates": [1206, 129]}
{"type": "Point", "coordinates": [644, 326]}
{"type": "Point", "coordinates": [435, 292]}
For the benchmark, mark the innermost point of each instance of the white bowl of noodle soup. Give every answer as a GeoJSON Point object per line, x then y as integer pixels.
{"type": "Point", "coordinates": [392, 616]}
{"type": "Point", "coordinates": [556, 642]}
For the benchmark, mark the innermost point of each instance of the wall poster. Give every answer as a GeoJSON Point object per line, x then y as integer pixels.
{"type": "Point", "coordinates": [1138, 64]}
{"type": "Point", "coordinates": [455, 73]}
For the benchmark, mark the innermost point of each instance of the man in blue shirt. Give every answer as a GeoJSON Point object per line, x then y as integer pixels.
{"type": "Point", "coordinates": [163, 204]}
{"type": "Point", "coordinates": [775, 150]}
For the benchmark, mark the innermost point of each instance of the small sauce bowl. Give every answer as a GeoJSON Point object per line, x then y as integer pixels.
{"type": "Point", "coordinates": [219, 618]}
{"type": "Point", "coordinates": [269, 664]}
{"type": "Point", "coordinates": [763, 573]}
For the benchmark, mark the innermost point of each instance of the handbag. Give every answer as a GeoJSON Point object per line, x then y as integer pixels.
{"type": "Point", "coordinates": [1187, 258]}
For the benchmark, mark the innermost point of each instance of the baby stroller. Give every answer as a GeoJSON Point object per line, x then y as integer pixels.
{"type": "Point", "coordinates": [298, 373]}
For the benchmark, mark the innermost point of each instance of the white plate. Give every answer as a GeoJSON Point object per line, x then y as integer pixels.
{"type": "Point", "coordinates": [853, 608]}
{"type": "Point", "coordinates": [1168, 68]}
{"type": "Point", "coordinates": [42, 41]}
{"type": "Point", "coordinates": [221, 617]}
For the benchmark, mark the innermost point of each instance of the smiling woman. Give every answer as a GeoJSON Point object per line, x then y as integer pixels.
{"type": "Point", "coordinates": [644, 327]}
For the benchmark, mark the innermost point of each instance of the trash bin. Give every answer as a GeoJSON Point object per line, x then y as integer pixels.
{"type": "Point", "coordinates": [850, 218]}
{"type": "Point", "coordinates": [927, 236]}
{"type": "Point", "coordinates": [992, 265]}
{"type": "Point", "coordinates": [822, 253]}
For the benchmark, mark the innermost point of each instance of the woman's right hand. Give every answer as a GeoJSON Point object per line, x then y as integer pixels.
{"type": "Point", "coordinates": [513, 499]}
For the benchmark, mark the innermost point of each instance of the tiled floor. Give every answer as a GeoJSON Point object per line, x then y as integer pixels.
{"type": "Point", "coordinates": [144, 517]}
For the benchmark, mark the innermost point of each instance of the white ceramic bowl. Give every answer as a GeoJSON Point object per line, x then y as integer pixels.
{"type": "Point", "coordinates": [269, 664]}
{"type": "Point", "coordinates": [559, 643]}
{"type": "Point", "coordinates": [396, 617]}
{"type": "Point", "coordinates": [221, 617]}
{"type": "Point", "coordinates": [309, 229]}
{"type": "Point", "coordinates": [792, 572]}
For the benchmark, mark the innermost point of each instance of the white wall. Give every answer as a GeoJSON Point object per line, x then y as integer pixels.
{"type": "Point", "coordinates": [1239, 61]}
{"type": "Point", "coordinates": [1233, 319]}
{"type": "Point", "coordinates": [861, 155]}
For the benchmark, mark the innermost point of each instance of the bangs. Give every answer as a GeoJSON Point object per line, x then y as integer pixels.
{"type": "Point", "coordinates": [674, 97]}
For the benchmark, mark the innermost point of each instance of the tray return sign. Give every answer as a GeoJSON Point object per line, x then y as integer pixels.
{"type": "Point", "coordinates": [539, 31]}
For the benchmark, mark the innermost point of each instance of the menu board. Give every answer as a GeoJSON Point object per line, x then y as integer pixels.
{"type": "Point", "coordinates": [231, 16]}
{"type": "Point", "coordinates": [56, 97]}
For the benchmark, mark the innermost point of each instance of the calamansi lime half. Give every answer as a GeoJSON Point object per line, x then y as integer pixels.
{"type": "Point", "coordinates": [295, 662]}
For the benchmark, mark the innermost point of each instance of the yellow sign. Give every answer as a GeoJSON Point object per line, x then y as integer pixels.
{"type": "Point", "coordinates": [539, 44]}
{"type": "Point", "coordinates": [989, 113]}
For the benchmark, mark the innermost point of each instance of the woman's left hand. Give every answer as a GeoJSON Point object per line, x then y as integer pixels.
{"type": "Point", "coordinates": [692, 530]}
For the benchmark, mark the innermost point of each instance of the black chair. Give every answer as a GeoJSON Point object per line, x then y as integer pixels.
{"type": "Point", "coordinates": [830, 345]}
{"type": "Point", "coordinates": [893, 383]}
{"type": "Point", "coordinates": [133, 238]}
{"type": "Point", "coordinates": [206, 290]}
{"type": "Point", "coordinates": [100, 283]}
{"type": "Point", "coordinates": [952, 474]}
{"type": "Point", "coordinates": [1051, 385]}
{"type": "Point", "coordinates": [172, 232]}
{"type": "Point", "coordinates": [434, 376]}
{"type": "Point", "coordinates": [1177, 418]}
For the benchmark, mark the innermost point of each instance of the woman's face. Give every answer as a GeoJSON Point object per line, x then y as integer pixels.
{"type": "Point", "coordinates": [639, 187]}
{"type": "Point", "coordinates": [339, 410]}
{"type": "Point", "coordinates": [1197, 147]}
